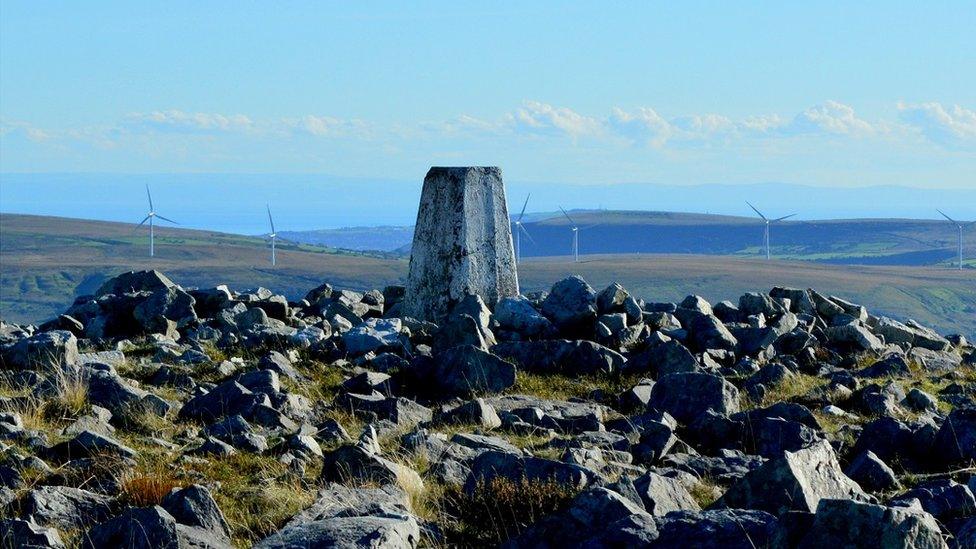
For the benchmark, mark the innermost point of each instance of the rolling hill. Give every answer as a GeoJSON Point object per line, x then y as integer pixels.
{"type": "Point", "coordinates": [46, 261]}
{"type": "Point", "coordinates": [846, 241]}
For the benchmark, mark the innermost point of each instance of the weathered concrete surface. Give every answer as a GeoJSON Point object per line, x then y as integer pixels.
{"type": "Point", "coordinates": [462, 243]}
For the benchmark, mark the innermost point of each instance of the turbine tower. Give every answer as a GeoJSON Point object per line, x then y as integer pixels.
{"type": "Point", "coordinates": [960, 226]}
{"type": "Point", "coordinates": [519, 229]}
{"type": "Point", "coordinates": [151, 217]}
{"type": "Point", "coordinates": [768, 222]}
{"type": "Point", "coordinates": [272, 235]}
{"type": "Point", "coordinates": [575, 235]}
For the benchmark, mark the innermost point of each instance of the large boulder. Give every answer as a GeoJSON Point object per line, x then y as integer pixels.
{"type": "Point", "coordinates": [66, 508]}
{"type": "Point", "coordinates": [360, 463]}
{"type": "Point", "coordinates": [135, 282]}
{"type": "Point", "coordinates": [670, 357]}
{"type": "Point", "coordinates": [956, 439]}
{"type": "Point", "coordinates": [715, 529]}
{"type": "Point", "coordinates": [516, 314]}
{"type": "Point", "coordinates": [708, 332]}
{"type": "Point", "coordinates": [688, 395]}
{"type": "Point", "coordinates": [56, 349]}
{"type": "Point", "coordinates": [194, 506]}
{"type": "Point", "coordinates": [165, 308]}
{"type": "Point", "coordinates": [845, 523]}
{"type": "Point", "coordinates": [560, 356]}
{"type": "Point", "coordinates": [373, 335]}
{"type": "Point", "coordinates": [135, 528]}
{"type": "Point", "coordinates": [462, 243]}
{"type": "Point", "coordinates": [466, 370]}
{"type": "Point", "coordinates": [571, 306]}
{"type": "Point", "coordinates": [662, 495]}
{"type": "Point", "coordinates": [26, 533]}
{"type": "Point", "coordinates": [513, 467]}
{"type": "Point", "coordinates": [343, 516]}
{"type": "Point", "coordinates": [797, 481]}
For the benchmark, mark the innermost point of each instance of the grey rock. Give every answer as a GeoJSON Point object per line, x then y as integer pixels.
{"type": "Point", "coordinates": [66, 508]}
{"type": "Point", "coordinates": [135, 528]}
{"type": "Point", "coordinates": [662, 495]}
{"type": "Point", "coordinates": [670, 357]}
{"type": "Point", "coordinates": [848, 524]}
{"type": "Point", "coordinates": [708, 332]}
{"type": "Point", "coordinates": [135, 282]}
{"type": "Point", "coordinates": [855, 335]}
{"type": "Point", "coordinates": [796, 481]}
{"type": "Point", "coordinates": [393, 532]}
{"type": "Point", "coordinates": [516, 314]}
{"type": "Point", "coordinates": [194, 506]}
{"type": "Point", "coordinates": [688, 395]}
{"type": "Point", "coordinates": [165, 306]}
{"type": "Point", "coordinates": [88, 444]}
{"type": "Point", "coordinates": [514, 467]}
{"type": "Point", "coordinates": [348, 463]}
{"type": "Point", "coordinates": [571, 306]}
{"type": "Point", "coordinates": [373, 335]}
{"type": "Point", "coordinates": [25, 533]}
{"type": "Point", "coordinates": [462, 243]}
{"type": "Point", "coordinates": [466, 370]}
{"type": "Point", "coordinates": [47, 350]}
{"type": "Point", "coordinates": [716, 529]}
{"type": "Point", "coordinates": [956, 439]}
{"type": "Point", "coordinates": [873, 474]}
{"type": "Point", "coordinates": [561, 356]}
{"type": "Point", "coordinates": [944, 499]}
{"type": "Point", "coordinates": [475, 412]}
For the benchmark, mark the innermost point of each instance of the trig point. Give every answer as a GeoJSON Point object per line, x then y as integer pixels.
{"type": "Point", "coordinates": [462, 243]}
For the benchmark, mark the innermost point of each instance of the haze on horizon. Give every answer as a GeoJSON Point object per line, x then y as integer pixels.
{"type": "Point", "coordinates": [832, 94]}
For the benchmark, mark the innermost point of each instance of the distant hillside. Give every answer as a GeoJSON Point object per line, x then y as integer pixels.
{"type": "Point", "coordinates": [46, 261]}
{"type": "Point", "coordinates": [848, 241]}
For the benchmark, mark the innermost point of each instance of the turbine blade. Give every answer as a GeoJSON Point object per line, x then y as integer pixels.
{"type": "Point", "coordinates": [523, 207]}
{"type": "Point", "coordinates": [784, 217]}
{"type": "Point", "coordinates": [148, 194]}
{"type": "Point", "coordinates": [945, 216]}
{"type": "Point", "coordinates": [755, 210]}
{"type": "Point", "coordinates": [526, 233]}
{"type": "Point", "coordinates": [567, 216]}
{"type": "Point", "coordinates": [143, 222]}
{"type": "Point", "coordinates": [167, 219]}
{"type": "Point", "coordinates": [271, 220]}
{"type": "Point", "coordinates": [588, 227]}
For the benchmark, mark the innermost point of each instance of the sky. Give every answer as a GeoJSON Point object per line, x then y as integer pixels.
{"type": "Point", "coordinates": [825, 94]}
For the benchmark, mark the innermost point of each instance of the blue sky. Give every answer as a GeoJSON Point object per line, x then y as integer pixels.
{"type": "Point", "coordinates": [812, 93]}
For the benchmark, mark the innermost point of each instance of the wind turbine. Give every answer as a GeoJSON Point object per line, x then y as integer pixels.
{"type": "Point", "coordinates": [575, 235]}
{"type": "Point", "coordinates": [959, 226]}
{"type": "Point", "coordinates": [519, 229]}
{"type": "Point", "coordinates": [768, 223]}
{"type": "Point", "coordinates": [272, 235]}
{"type": "Point", "coordinates": [151, 217]}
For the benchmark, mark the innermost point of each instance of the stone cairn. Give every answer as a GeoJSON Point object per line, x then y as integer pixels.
{"type": "Point", "coordinates": [462, 243]}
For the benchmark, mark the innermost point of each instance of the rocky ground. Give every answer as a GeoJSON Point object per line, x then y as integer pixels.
{"type": "Point", "coordinates": [149, 415]}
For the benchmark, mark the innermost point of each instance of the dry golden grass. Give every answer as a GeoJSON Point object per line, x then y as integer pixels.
{"type": "Point", "coordinates": [146, 490]}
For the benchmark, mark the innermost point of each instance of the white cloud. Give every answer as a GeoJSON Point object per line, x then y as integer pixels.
{"type": "Point", "coordinates": [829, 118]}
{"type": "Point", "coordinates": [951, 127]}
{"type": "Point", "coordinates": [179, 121]}
{"type": "Point", "coordinates": [544, 119]}
{"type": "Point", "coordinates": [644, 125]}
